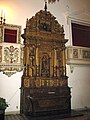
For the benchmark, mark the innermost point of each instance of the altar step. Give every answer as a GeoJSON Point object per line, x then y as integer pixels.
{"type": "Point", "coordinates": [80, 116]}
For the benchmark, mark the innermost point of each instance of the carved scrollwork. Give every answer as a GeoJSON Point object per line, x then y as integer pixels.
{"type": "Point", "coordinates": [78, 55]}
{"type": "Point", "coordinates": [11, 54]}
{"type": "Point", "coordinates": [44, 21]}
{"type": "Point", "coordinates": [44, 27]}
{"type": "Point", "coordinates": [75, 53]}
{"type": "Point", "coordinates": [86, 54]}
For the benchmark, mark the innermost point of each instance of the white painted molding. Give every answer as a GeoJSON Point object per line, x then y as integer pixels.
{"type": "Point", "coordinates": [12, 113]}
{"type": "Point", "coordinates": [81, 15]}
{"type": "Point", "coordinates": [77, 55]}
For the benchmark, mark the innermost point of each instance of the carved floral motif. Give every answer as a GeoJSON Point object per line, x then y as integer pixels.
{"type": "Point", "coordinates": [86, 54]}
{"type": "Point", "coordinates": [11, 54]}
{"type": "Point", "coordinates": [75, 53]}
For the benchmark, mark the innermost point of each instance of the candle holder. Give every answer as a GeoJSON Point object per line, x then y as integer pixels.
{"type": "Point", "coordinates": [4, 21]}
{"type": "Point", "coordinates": [1, 20]}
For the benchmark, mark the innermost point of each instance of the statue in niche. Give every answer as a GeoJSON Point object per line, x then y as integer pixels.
{"type": "Point", "coordinates": [45, 65]}
{"type": "Point", "coordinates": [32, 51]}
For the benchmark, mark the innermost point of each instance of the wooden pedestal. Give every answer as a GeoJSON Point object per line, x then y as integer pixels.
{"type": "Point", "coordinates": [42, 101]}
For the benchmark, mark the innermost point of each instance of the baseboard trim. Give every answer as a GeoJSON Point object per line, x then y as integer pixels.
{"type": "Point", "coordinates": [12, 112]}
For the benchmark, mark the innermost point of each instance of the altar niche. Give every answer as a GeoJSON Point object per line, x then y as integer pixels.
{"type": "Point", "coordinates": [44, 86]}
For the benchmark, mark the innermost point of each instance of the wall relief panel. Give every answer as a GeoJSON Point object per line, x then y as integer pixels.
{"type": "Point", "coordinates": [11, 49]}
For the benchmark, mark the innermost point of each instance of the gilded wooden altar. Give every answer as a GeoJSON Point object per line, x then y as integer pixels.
{"type": "Point", "coordinates": [44, 82]}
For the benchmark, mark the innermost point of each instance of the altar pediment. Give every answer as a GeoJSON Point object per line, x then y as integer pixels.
{"type": "Point", "coordinates": [45, 26]}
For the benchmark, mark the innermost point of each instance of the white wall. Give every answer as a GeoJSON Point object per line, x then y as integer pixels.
{"type": "Point", "coordinates": [10, 89]}
{"type": "Point", "coordinates": [79, 81]}
{"type": "Point", "coordinates": [16, 12]}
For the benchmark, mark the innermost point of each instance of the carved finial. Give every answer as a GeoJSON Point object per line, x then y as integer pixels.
{"type": "Point", "coordinates": [45, 5]}
{"type": "Point", "coordinates": [27, 22]}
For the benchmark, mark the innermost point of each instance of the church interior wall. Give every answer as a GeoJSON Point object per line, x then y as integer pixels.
{"type": "Point", "coordinates": [16, 12]}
